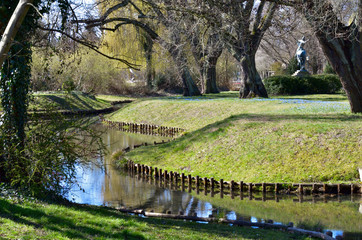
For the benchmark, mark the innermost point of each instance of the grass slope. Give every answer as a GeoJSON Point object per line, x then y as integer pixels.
{"type": "Point", "coordinates": [313, 138]}
{"type": "Point", "coordinates": [39, 220]}
{"type": "Point", "coordinates": [73, 101]}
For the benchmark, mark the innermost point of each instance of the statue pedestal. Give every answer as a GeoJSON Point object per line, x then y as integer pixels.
{"type": "Point", "coordinates": [301, 73]}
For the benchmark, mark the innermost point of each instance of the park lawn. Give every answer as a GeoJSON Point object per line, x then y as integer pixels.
{"type": "Point", "coordinates": [283, 139]}
{"type": "Point", "coordinates": [73, 101]}
{"type": "Point", "coordinates": [27, 219]}
{"type": "Point", "coordinates": [113, 98]}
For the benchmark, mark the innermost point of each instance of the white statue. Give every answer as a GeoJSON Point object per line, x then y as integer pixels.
{"type": "Point", "coordinates": [301, 54]}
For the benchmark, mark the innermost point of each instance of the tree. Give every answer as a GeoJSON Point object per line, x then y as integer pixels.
{"type": "Point", "coordinates": [168, 19]}
{"type": "Point", "coordinates": [206, 54]}
{"type": "Point", "coordinates": [339, 38]}
{"type": "Point", "coordinates": [242, 26]}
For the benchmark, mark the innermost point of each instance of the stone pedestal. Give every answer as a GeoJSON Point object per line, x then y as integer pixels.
{"type": "Point", "coordinates": [301, 73]}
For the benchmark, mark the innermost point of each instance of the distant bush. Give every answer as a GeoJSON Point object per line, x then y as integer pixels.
{"type": "Point", "coordinates": [328, 69]}
{"type": "Point", "coordinates": [315, 84]}
{"type": "Point", "coordinates": [292, 66]}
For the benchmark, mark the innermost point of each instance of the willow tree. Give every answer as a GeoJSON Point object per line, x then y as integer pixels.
{"type": "Point", "coordinates": [171, 38]}
{"type": "Point", "coordinates": [115, 39]}
{"type": "Point", "coordinates": [340, 36]}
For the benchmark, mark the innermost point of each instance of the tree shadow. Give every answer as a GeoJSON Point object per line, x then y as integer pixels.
{"type": "Point", "coordinates": [40, 219]}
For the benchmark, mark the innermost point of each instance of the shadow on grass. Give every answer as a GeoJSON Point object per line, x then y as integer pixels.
{"type": "Point", "coordinates": [87, 227]}
{"type": "Point", "coordinates": [58, 100]}
{"type": "Point", "coordinates": [67, 227]}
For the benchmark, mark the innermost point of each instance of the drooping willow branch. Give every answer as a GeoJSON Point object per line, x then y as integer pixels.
{"type": "Point", "coordinates": [92, 47]}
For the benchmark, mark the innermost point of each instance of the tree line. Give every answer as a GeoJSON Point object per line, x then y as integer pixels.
{"type": "Point", "coordinates": [187, 31]}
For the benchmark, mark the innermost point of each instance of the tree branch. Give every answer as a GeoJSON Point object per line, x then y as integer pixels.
{"type": "Point", "coordinates": [92, 47]}
{"type": "Point", "coordinates": [12, 28]}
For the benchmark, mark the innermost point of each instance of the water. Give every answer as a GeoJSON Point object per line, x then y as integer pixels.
{"type": "Point", "coordinates": [105, 185]}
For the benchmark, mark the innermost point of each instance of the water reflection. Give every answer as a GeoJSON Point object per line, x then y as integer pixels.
{"type": "Point", "coordinates": [104, 185]}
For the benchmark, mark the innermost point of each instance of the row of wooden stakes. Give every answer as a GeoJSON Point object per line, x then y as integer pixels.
{"type": "Point", "coordinates": [232, 186]}
{"type": "Point", "coordinates": [144, 128]}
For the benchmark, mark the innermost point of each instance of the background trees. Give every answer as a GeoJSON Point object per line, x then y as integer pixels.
{"type": "Point", "coordinates": [338, 28]}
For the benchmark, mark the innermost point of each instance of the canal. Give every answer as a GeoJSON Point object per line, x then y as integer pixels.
{"type": "Point", "coordinates": [100, 183]}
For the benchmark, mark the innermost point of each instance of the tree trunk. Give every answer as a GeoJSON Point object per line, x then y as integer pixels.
{"type": "Point", "coordinates": [190, 88]}
{"type": "Point", "coordinates": [211, 86]}
{"type": "Point", "coordinates": [12, 28]}
{"type": "Point", "coordinates": [251, 83]}
{"type": "Point", "coordinates": [345, 56]}
{"type": "Point", "coordinates": [149, 70]}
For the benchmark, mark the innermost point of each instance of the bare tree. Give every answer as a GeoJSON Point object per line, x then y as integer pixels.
{"type": "Point", "coordinates": [242, 25]}
{"type": "Point", "coordinates": [340, 35]}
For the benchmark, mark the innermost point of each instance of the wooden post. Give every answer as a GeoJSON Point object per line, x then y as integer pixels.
{"type": "Point", "coordinates": [156, 172]}
{"type": "Point", "coordinates": [300, 189]}
{"type": "Point", "coordinates": [171, 176]}
{"type": "Point", "coordinates": [165, 175]}
{"type": "Point", "coordinates": [324, 188]}
{"type": "Point", "coordinates": [197, 182]}
{"type": "Point", "coordinates": [263, 187]}
{"type": "Point", "coordinates": [241, 187]}
{"type": "Point", "coordinates": [276, 188]}
{"type": "Point", "coordinates": [250, 187]}
{"type": "Point", "coordinates": [151, 172]}
{"type": "Point", "coordinates": [232, 185]}
{"type": "Point", "coordinates": [176, 179]}
{"type": "Point", "coordinates": [183, 181]}
{"type": "Point", "coordinates": [221, 185]}
{"type": "Point", "coordinates": [160, 174]}
{"type": "Point", "coordinates": [189, 180]}
{"type": "Point", "coordinates": [212, 183]}
{"type": "Point", "coordinates": [352, 189]}
{"type": "Point", "coordinates": [338, 188]}
{"type": "Point", "coordinates": [314, 188]}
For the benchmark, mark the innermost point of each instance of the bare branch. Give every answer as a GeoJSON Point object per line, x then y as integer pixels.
{"type": "Point", "coordinates": [92, 47]}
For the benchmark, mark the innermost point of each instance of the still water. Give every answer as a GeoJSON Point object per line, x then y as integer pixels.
{"type": "Point", "coordinates": [99, 183]}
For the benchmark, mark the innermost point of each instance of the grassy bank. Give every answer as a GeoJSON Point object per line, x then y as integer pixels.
{"type": "Point", "coordinates": [73, 101]}
{"type": "Point", "coordinates": [39, 220]}
{"type": "Point", "coordinates": [286, 139]}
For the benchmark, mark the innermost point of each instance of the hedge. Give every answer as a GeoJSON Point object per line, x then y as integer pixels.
{"type": "Point", "coordinates": [314, 84]}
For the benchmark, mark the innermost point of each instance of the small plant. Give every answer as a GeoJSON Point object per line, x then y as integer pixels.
{"type": "Point", "coordinates": [328, 69]}
{"type": "Point", "coordinates": [68, 86]}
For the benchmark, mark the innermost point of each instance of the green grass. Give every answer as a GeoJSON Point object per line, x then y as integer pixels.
{"type": "Point", "coordinates": [113, 98]}
{"type": "Point", "coordinates": [254, 140]}
{"type": "Point", "coordinates": [39, 220]}
{"type": "Point", "coordinates": [69, 102]}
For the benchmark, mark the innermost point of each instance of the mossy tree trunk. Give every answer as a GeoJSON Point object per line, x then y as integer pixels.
{"type": "Point", "coordinates": [211, 86]}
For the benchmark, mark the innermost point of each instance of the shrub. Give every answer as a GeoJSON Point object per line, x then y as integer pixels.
{"type": "Point", "coordinates": [315, 84]}
{"type": "Point", "coordinates": [328, 69]}
{"type": "Point", "coordinates": [46, 163]}
{"type": "Point", "coordinates": [292, 66]}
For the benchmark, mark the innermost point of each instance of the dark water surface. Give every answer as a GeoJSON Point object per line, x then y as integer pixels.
{"type": "Point", "coordinates": [108, 186]}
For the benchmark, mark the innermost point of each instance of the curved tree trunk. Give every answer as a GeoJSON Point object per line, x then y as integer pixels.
{"type": "Point", "coordinates": [251, 84]}
{"type": "Point", "coordinates": [211, 86]}
{"type": "Point", "coordinates": [345, 56]}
